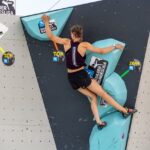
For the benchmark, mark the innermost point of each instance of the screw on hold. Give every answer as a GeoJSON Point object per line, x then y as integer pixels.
{"type": "Point", "coordinates": [1, 32]}
{"type": "Point", "coordinates": [123, 136]}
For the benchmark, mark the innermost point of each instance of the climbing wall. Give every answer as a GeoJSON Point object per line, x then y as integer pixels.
{"type": "Point", "coordinates": [139, 137]}
{"type": "Point", "coordinates": [23, 120]}
{"type": "Point", "coordinates": [68, 111]}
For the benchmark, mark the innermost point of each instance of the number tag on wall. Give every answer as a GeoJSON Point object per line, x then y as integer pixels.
{"type": "Point", "coordinates": [58, 56]}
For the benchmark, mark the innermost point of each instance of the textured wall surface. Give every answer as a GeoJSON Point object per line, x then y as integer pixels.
{"type": "Point", "coordinates": [139, 137]}
{"type": "Point", "coordinates": [23, 121]}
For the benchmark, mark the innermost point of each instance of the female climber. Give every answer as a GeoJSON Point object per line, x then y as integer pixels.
{"type": "Point", "coordinates": [75, 52]}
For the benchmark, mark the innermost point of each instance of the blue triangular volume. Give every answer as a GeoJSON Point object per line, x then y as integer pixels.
{"type": "Point", "coordinates": [35, 26]}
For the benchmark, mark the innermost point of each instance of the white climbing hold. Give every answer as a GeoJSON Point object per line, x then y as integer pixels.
{"type": "Point", "coordinates": [3, 30]}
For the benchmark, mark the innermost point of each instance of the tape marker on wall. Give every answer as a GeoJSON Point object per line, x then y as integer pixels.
{"type": "Point", "coordinates": [2, 50]}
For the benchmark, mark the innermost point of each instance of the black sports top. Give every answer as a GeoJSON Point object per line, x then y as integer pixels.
{"type": "Point", "coordinates": [73, 58]}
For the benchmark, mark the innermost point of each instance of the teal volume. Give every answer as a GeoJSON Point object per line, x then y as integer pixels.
{"type": "Point", "coordinates": [114, 136]}
{"type": "Point", "coordinates": [31, 23]}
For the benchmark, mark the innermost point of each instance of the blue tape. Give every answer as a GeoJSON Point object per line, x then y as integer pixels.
{"type": "Point", "coordinates": [90, 72]}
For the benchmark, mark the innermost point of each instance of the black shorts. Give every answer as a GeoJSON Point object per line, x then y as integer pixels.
{"type": "Point", "coordinates": [79, 79]}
